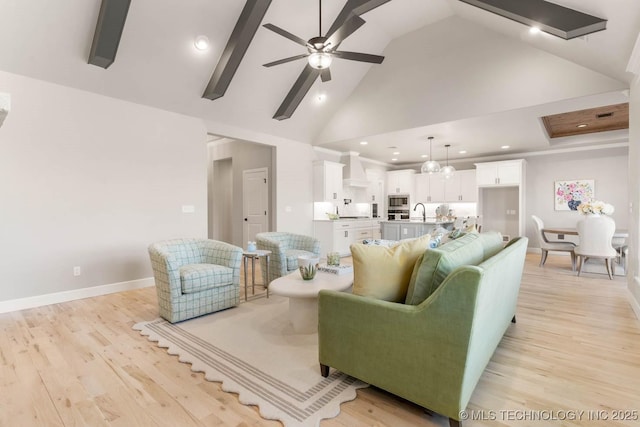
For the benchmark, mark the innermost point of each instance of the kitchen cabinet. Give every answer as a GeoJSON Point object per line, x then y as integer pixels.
{"type": "Point", "coordinates": [401, 182]}
{"type": "Point", "coordinates": [461, 187]}
{"type": "Point", "coordinates": [434, 188]}
{"type": "Point", "coordinates": [501, 196]}
{"type": "Point", "coordinates": [505, 173]}
{"type": "Point", "coordinates": [327, 181]}
{"type": "Point", "coordinates": [404, 230]}
{"type": "Point", "coordinates": [429, 188]}
{"type": "Point", "coordinates": [390, 231]}
{"type": "Point", "coordinates": [375, 190]}
{"type": "Point", "coordinates": [339, 235]}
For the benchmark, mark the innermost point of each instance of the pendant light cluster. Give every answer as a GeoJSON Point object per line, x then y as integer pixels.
{"type": "Point", "coordinates": [431, 166]}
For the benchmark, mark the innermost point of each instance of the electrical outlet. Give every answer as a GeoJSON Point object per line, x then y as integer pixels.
{"type": "Point", "coordinates": [76, 271]}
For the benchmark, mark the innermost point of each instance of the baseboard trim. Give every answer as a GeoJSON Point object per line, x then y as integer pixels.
{"type": "Point", "coordinates": [65, 296]}
{"type": "Point", "coordinates": [635, 304]}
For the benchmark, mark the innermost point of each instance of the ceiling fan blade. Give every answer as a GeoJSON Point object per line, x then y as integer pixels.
{"type": "Point", "coordinates": [356, 56]}
{"type": "Point", "coordinates": [287, 34]}
{"type": "Point", "coordinates": [345, 30]}
{"type": "Point", "coordinates": [325, 75]}
{"type": "Point", "coordinates": [285, 60]}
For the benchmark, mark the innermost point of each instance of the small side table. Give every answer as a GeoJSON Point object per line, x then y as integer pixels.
{"type": "Point", "coordinates": [253, 256]}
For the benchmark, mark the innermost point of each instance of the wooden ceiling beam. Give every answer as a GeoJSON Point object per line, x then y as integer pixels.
{"type": "Point", "coordinates": [106, 39]}
{"type": "Point", "coordinates": [241, 36]}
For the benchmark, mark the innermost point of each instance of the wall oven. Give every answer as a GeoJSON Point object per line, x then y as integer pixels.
{"type": "Point", "coordinates": [397, 214]}
{"type": "Point", "coordinates": [398, 207]}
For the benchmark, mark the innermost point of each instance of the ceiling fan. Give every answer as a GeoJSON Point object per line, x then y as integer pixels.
{"type": "Point", "coordinates": [321, 50]}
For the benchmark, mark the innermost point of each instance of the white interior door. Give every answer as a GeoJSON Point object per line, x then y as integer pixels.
{"type": "Point", "coordinates": [255, 204]}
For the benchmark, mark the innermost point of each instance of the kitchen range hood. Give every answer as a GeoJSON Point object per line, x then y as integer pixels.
{"type": "Point", "coordinates": [353, 173]}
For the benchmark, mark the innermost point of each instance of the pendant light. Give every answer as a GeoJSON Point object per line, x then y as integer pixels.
{"type": "Point", "coordinates": [448, 171]}
{"type": "Point", "coordinates": [430, 166]}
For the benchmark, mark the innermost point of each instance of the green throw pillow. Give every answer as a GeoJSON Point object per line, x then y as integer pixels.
{"type": "Point", "coordinates": [435, 265]}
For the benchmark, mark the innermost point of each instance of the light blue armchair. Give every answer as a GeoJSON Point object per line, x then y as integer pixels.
{"type": "Point", "coordinates": [285, 249]}
{"type": "Point", "coordinates": [195, 277]}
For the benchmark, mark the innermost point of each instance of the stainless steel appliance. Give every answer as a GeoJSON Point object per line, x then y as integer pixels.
{"type": "Point", "coordinates": [374, 210]}
{"type": "Point", "coordinates": [398, 201]}
{"type": "Point", "coordinates": [397, 214]}
{"type": "Point", "coordinates": [398, 207]}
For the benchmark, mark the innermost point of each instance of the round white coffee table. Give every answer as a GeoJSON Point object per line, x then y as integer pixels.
{"type": "Point", "coordinates": [303, 296]}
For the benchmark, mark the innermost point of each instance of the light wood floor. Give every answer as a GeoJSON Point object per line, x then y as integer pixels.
{"type": "Point", "coordinates": [576, 346]}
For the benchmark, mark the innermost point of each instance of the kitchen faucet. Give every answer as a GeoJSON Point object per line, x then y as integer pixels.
{"type": "Point", "coordinates": [424, 211]}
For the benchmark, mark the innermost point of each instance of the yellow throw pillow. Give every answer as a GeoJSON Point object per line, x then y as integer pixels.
{"type": "Point", "coordinates": [384, 272]}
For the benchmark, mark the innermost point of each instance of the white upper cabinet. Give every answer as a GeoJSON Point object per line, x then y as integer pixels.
{"type": "Point", "coordinates": [436, 189]}
{"type": "Point", "coordinates": [461, 187]}
{"type": "Point", "coordinates": [327, 181]}
{"type": "Point", "coordinates": [400, 182]}
{"type": "Point", "coordinates": [506, 173]}
{"type": "Point", "coordinates": [375, 190]}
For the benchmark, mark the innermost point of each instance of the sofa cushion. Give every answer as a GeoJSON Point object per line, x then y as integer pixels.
{"type": "Point", "coordinates": [292, 257]}
{"type": "Point", "coordinates": [436, 264]}
{"type": "Point", "coordinates": [200, 277]}
{"type": "Point", "coordinates": [384, 272]}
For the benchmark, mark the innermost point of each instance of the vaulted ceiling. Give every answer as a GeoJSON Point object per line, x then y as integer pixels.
{"type": "Point", "coordinates": [468, 77]}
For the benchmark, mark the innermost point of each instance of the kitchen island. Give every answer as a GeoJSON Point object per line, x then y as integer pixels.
{"type": "Point", "coordinates": [337, 235]}
{"type": "Point", "coordinates": [405, 229]}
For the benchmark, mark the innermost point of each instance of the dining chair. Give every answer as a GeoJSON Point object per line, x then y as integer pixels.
{"type": "Point", "coordinates": [547, 245]}
{"type": "Point", "coordinates": [620, 245]}
{"type": "Point", "coordinates": [596, 234]}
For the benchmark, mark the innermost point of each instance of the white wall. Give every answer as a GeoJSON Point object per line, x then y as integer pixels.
{"type": "Point", "coordinates": [634, 192]}
{"type": "Point", "coordinates": [91, 181]}
{"type": "Point", "coordinates": [241, 156]}
{"type": "Point", "coordinates": [609, 169]}
{"type": "Point", "coordinates": [293, 176]}
{"type": "Point", "coordinates": [424, 81]}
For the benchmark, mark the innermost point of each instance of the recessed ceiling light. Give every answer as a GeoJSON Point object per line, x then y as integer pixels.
{"type": "Point", "coordinates": [462, 152]}
{"type": "Point", "coordinates": [363, 142]}
{"type": "Point", "coordinates": [424, 156]}
{"type": "Point", "coordinates": [505, 147]}
{"type": "Point", "coordinates": [321, 97]}
{"type": "Point", "coordinates": [394, 159]}
{"type": "Point", "coordinates": [201, 42]}
{"type": "Point", "coordinates": [534, 30]}
{"type": "Point", "coordinates": [582, 125]}
{"type": "Point", "coordinates": [395, 153]}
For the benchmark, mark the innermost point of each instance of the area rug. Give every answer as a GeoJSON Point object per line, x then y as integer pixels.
{"type": "Point", "coordinates": [253, 351]}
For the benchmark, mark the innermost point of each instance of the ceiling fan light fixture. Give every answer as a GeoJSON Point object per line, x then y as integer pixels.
{"type": "Point", "coordinates": [320, 60]}
{"type": "Point", "coordinates": [430, 166]}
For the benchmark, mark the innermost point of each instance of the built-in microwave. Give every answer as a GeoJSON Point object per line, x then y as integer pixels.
{"type": "Point", "coordinates": [398, 201]}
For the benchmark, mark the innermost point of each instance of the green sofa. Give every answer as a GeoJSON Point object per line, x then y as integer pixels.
{"type": "Point", "coordinates": [432, 349]}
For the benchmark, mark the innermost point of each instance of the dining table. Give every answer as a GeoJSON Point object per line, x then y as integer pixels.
{"type": "Point", "coordinates": [618, 241]}
{"type": "Point", "coordinates": [561, 231]}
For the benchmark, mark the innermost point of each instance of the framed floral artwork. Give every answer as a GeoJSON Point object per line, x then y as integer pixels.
{"type": "Point", "coordinates": [570, 194]}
